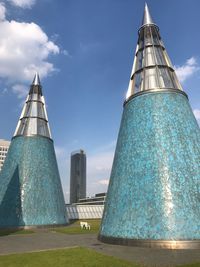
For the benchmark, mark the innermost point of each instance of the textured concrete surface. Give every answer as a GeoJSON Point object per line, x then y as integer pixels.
{"type": "Point", "coordinates": [44, 240]}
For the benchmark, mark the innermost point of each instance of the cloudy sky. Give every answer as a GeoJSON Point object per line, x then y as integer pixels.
{"type": "Point", "coordinates": [83, 50]}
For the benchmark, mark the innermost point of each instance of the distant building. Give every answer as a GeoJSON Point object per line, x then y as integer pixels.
{"type": "Point", "coordinates": [79, 212]}
{"type": "Point", "coordinates": [98, 199]}
{"type": "Point", "coordinates": [4, 145]}
{"type": "Point", "coordinates": [87, 208]}
{"type": "Point", "coordinates": [78, 176]}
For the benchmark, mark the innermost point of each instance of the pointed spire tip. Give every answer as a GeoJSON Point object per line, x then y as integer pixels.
{"type": "Point", "coordinates": [36, 80]}
{"type": "Point", "coordinates": [147, 19]}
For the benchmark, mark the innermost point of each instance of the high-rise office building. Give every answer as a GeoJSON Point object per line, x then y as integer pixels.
{"type": "Point", "coordinates": [77, 176]}
{"type": "Point", "coordinates": [4, 145]}
{"type": "Point", "coordinates": [153, 195]}
{"type": "Point", "coordinates": [31, 192]}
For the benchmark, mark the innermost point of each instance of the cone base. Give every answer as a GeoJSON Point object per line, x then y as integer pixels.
{"type": "Point", "coordinates": [150, 243]}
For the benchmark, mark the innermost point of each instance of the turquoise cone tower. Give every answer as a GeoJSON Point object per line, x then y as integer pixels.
{"type": "Point", "coordinates": [154, 192]}
{"type": "Point", "coordinates": [31, 193]}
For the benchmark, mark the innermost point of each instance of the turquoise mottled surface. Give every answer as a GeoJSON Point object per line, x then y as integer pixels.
{"type": "Point", "coordinates": [154, 190]}
{"type": "Point", "coordinates": [31, 191]}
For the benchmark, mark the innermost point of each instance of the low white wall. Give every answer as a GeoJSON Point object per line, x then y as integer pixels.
{"type": "Point", "coordinates": [84, 211]}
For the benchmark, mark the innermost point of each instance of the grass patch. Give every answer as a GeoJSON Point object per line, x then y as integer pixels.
{"type": "Point", "coordinates": [191, 265]}
{"type": "Point", "coordinates": [76, 257]}
{"type": "Point", "coordinates": [75, 228]}
{"type": "Point", "coordinates": [15, 232]}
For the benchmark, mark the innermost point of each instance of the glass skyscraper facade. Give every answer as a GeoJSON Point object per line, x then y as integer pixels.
{"type": "Point", "coordinates": [77, 176]}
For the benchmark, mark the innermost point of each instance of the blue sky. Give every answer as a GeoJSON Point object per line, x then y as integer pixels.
{"type": "Point", "coordinates": [83, 50]}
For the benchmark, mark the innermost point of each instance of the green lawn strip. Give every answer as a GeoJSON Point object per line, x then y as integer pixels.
{"type": "Point", "coordinates": [92, 222]}
{"type": "Point", "coordinates": [74, 228]}
{"type": "Point", "coordinates": [76, 257]}
{"type": "Point", "coordinates": [190, 265]}
{"type": "Point", "coordinates": [16, 232]}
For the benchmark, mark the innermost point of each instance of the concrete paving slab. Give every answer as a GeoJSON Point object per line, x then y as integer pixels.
{"type": "Point", "coordinates": [51, 240]}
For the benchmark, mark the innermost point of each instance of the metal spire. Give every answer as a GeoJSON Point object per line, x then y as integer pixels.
{"type": "Point", "coordinates": [36, 80]}
{"type": "Point", "coordinates": [34, 120]}
{"type": "Point", "coordinates": [152, 68]}
{"type": "Point", "coordinates": [147, 19]}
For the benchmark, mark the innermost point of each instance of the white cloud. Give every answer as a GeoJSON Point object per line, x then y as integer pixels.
{"type": "Point", "coordinates": [65, 52]}
{"type": "Point", "coordinates": [104, 182]}
{"type": "Point", "coordinates": [2, 12]}
{"type": "Point", "coordinates": [187, 70]}
{"type": "Point", "coordinates": [100, 162]}
{"type": "Point", "coordinates": [98, 167]}
{"type": "Point", "coordinates": [23, 3]}
{"type": "Point", "coordinates": [4, 91]}
{"type": "Point", "coordinates": [60, 152]}
{"type": "Point", "coordinates": [191, 61]}
{"type": "Point", "coordinates": [20, 90]}
{"type": "Point", "coordinates": [197, 114]}
{"type": "Point", "coordinates": [24, 48]}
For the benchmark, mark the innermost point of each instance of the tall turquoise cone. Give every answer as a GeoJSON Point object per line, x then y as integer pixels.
{"type": "Point", "coordinates": [31, 192]}
{"type": "Point", "coordinates": [154, 192]}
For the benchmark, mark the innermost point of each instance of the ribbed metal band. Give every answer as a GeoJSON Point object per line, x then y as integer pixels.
{"type": "Point", "coordinates": [151, 243]}
{"type": "Point", "coordinates": [147, 25]}
{"type": "Point", "coordinates": [150, 67]}
{"type": "Point", "coordinates": [150, 91]}
{"type": "Point", "coordinates": [32, 135]}
{"type": "Point", "coordinates": [34, 117]}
